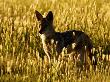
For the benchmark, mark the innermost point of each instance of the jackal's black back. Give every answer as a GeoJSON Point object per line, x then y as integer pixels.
{"type": "Point", "coordinates": [71, 36]}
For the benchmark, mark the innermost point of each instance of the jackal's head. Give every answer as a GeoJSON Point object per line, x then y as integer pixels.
{"type": "Point", "coordinates": [46, 24]}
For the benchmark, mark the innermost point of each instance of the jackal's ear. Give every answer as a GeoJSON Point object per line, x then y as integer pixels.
{"type": "Point", "coordinates": [49, 16]}
{"type": "Point", "coordinates": [38, 15]}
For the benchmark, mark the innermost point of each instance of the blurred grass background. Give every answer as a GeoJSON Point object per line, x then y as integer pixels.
{"type": "Point", "coordinates": [21, 48]}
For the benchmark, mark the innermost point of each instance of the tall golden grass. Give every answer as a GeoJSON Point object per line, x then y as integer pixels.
{"type": "Point", "coordinates": [21, 53]}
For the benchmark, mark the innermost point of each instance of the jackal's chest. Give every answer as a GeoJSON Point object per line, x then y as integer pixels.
{"type": "Point", "coordinates": [46, 40]}
{"type": "Point", "coordinates": [48, 44]}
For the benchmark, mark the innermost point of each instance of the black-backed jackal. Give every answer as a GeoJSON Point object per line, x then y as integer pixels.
{"type": "Point", "coordinates": [80, 40]}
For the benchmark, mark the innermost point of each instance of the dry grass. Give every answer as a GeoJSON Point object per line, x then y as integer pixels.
{"type": "Point", "coordinates": [21, 53]}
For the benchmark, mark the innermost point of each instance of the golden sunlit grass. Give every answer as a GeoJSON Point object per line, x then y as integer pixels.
{"type": "Point", "coordinates": [21, 52]}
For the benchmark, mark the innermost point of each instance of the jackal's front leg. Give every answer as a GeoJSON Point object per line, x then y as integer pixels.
{"type": "Point", "coordinates": [47, 52]}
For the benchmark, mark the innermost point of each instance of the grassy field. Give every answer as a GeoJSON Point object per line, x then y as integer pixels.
{"type": "Point", "coordinates": [21, 53]}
